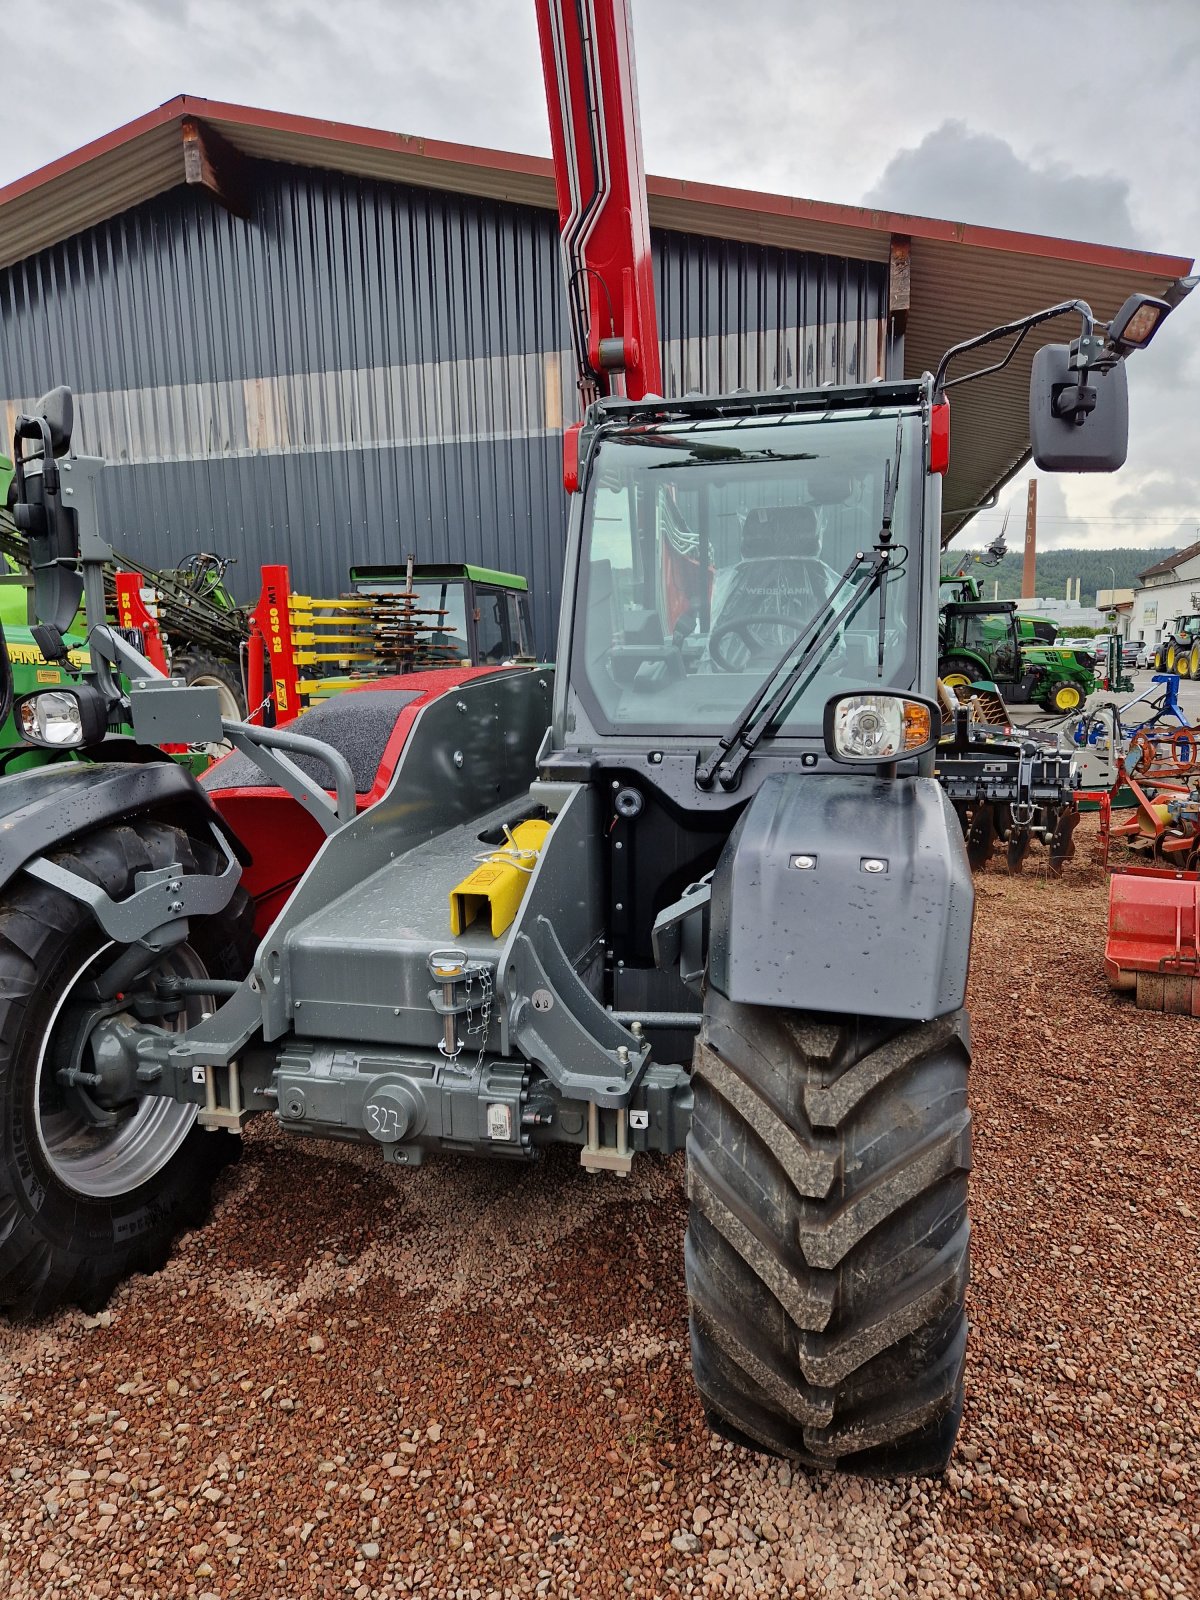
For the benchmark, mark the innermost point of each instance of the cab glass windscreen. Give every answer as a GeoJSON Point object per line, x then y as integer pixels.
{"type": "Point", "coordinates": [709, 547]}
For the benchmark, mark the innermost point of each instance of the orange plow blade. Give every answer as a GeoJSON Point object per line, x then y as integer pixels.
{"type": "Point", "coordinates": [1154, 938]}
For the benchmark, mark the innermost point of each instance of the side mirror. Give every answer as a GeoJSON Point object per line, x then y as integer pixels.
{"type": "Point", "coordinates": [57, 410]}
{"type": "Point", "coordinates": [1078, 422]}
{"type": "Point", "coordinates": [39, 511]}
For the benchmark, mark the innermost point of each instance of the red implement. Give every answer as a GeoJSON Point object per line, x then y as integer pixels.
{"type": "Point", "coordinates": [1153, 943]}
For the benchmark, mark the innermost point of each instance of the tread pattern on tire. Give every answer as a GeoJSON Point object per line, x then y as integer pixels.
{"type": "Point", "coordinates": [42, 1263]}
{"type": "Point", "coordinates": [827, 1247]}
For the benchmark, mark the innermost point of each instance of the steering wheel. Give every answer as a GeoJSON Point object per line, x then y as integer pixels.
{"type": "Point", "coordinates": [741, 628]}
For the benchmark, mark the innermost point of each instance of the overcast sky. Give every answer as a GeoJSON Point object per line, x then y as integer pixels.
{"type": "Point", "coordinates": [1075, 119]}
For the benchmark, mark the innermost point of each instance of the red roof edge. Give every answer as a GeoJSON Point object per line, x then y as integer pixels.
{"type": "Point", "coordinates": [169, 111]}
{"type": "Point", "coordinates": [718, 196]}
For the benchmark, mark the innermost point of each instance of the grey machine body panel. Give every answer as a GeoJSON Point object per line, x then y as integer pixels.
{"type": "Point", "coordinates": [879, 924]}
{"type": "Point", "coordinates": [376, 885]}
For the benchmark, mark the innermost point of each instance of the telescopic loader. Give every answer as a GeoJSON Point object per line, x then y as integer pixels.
{"type": "Point", "coordinates": [697, 888]}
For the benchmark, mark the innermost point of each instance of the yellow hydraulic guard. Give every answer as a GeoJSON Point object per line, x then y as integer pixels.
{"type": "Point", "coordinates": [500, 880]}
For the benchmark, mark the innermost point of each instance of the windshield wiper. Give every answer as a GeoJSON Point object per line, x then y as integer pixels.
{"type": "Point", "coordinates": [757, 718]}
{"type": "Point", "coordinates": [891, 477]}
{"type": "Point", "coordinates": [752, 457]}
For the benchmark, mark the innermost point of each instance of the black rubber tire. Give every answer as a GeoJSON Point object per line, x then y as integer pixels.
{"type": "Point", "coordinates": [199, 666]}
{"type": "Point", "coordinates": [1063, 696]}
{"type": "Point", "coordinates": [57, 1246]}
{"type": "Point", "coordinates": [827, 1241]}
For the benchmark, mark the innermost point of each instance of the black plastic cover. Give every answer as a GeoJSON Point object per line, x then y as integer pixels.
{"type": "Point", "coordinates": [44, 807]}
{"type": "Point", "coordinates": [848, 895]}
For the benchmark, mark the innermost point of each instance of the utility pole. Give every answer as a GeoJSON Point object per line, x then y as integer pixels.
{"type": "Point", "coordinates": [1029, 571]}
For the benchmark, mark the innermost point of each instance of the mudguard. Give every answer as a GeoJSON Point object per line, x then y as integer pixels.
{"type": "Point", "coordinates": [42, 808]}
{"type": "Point", "coordinates": [850, 895]}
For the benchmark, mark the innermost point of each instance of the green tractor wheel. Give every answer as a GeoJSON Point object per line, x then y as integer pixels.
{"type": "Point", "coordinates": [1194, 661]}
{"type": "Point", "coordinates": [1183, 663]}
{"type": "Point", "coordinates": [1171, 658]}
{"type": "Point", "coordinates": [1065, 697]}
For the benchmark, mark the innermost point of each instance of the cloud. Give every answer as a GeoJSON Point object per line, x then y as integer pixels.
{"type": "Point", "coordinates": [969, 176]}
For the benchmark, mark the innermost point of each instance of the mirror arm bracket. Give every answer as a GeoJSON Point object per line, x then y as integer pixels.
{"type": "Point", "coordinates": [1020, 329]}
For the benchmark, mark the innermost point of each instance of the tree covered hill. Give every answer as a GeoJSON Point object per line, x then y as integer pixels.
{"type": "Point", "coordinates": [1054, 567]}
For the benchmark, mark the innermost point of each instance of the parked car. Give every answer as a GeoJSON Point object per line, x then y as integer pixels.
{"type": "Point", "coordinates": [1098, 648]}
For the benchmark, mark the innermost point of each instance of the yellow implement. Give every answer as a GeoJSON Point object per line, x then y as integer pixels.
{"type": "Point", "coordinates": [500, 881]}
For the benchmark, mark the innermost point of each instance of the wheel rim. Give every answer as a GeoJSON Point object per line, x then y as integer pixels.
{"type": "Point", "coordinates": [231, 711]}
{"type": "Point", "coordinates": [1171, 659]}
{"type": "Point", "coordinates": [103, 1163]}
{"type": "Point", "coordinates": [1067, 698]}
{"type": "Point", "coordinates": [955, 680]}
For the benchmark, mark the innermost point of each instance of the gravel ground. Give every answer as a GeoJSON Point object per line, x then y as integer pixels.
{"type": "Point", "coordinates": [472, 1380]}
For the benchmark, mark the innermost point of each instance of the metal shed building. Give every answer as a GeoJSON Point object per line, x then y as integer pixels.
{"type": "Point", "coordinates": [302, 341]}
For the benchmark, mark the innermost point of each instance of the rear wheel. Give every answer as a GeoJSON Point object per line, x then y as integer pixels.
{"type": "Point", "coordinates": [1194, 661]}
{"type": "Point", "coordinates": [89, 1195]}
{"type": "Point", "coordinates": [1172, 658]}
{"type": "Point", "coordinates": [827, 1239]}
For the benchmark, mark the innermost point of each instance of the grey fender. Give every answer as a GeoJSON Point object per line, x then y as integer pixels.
{"type": "Point", "coordinates": [47, 806]}
{"type": "Point", "coordinates": [850, 895]}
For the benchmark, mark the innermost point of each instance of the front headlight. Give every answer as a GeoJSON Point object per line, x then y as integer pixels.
{"type": "Point", "coordinates": [61, 719]}
{"type": "Point", "coordinates": [880, 727]}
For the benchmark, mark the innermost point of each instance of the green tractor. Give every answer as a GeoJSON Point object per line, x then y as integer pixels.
{"type": "Point", "coordinates": [986, 640]}
{"type": "Point", "coordinates": [1179, 648]}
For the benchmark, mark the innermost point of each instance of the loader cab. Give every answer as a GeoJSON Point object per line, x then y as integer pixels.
{"type": "Point", "coordinates": [708, 537]}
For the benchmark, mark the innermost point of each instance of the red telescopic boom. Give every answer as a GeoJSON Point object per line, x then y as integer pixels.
{"type": "Point", "coordinates": [591, 94]}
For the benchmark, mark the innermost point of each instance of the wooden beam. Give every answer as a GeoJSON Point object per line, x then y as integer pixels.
{"type": "Point", "coordinates": [210, 161]}
{"type": "Point", "coordinates": [898, 301]}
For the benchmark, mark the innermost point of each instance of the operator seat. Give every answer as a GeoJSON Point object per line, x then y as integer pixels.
{"type": "Point", "coordinates": [780, 574]}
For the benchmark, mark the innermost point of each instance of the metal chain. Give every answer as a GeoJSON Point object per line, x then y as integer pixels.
{"type": "Point", "coordinates": [485, 1009]}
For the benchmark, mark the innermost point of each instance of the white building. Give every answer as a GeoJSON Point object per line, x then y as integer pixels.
{"type": "Point", "coordinates": [1170, 588]}
{"type": "Point", "coordinates": [1065, 614]}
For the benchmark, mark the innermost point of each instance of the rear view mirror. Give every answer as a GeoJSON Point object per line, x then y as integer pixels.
{"type": "Point", "coordinates": [58, 411]}
{"type": "Point", "coordinates": [1099, 440]}
{"type": "Point", "coordinates": [39, 509]}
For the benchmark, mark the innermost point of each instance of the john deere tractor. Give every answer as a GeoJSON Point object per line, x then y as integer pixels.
{"type": "Point", "coordinates": [986, 640]}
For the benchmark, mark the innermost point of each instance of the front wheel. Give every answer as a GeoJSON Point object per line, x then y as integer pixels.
{"type": "Point", "coordinates": [1064, 697]}
{"type": "Point", "coordinates": [827, 1240]}
{"type": "Point", "coordinates": [89, 1195]}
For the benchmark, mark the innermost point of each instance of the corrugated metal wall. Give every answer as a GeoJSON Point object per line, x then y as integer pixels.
{"type": "Point", "coordinates": [365, 369]}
